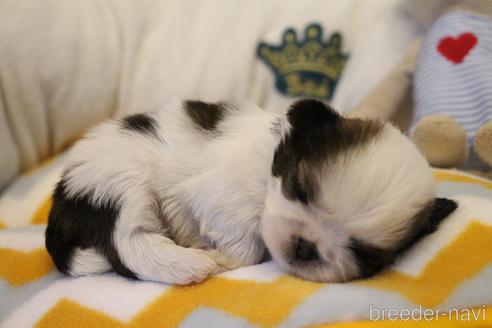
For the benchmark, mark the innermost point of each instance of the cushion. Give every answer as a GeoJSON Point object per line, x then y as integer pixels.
{"type": "Point", "coordinates": [446, 271]}
{"type": "Point", "coordinates": [65, 65]}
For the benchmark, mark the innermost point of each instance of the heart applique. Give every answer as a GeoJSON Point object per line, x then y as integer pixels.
{"type": "Point", "coordinates": [455, 48]}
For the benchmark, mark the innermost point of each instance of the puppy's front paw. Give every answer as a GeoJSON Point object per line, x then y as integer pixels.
{"type": "Point", "coordinates": [223, 262]}
{"type": "Point", "coordinates": [195, 265]}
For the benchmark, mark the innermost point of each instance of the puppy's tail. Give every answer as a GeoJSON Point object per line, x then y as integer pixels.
{"type": "Point", "coordinates": [88, 261]}
{"type": "Point", "coordinates": [72, 260]}
{"type": "Point", "coordinates": [67, 227]}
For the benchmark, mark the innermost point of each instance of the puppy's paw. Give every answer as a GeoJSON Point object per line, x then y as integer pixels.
{"type": "Point", "coordinates": [194, 266]}
{"type": "Point", "coordinates": [223, 262]}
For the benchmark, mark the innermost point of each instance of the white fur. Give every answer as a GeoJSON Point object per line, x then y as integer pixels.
{"type": "Point", "coordinates": [88, 261]}
{"type": "Point", "coordinates": [370, 193]}
{"type": "Point", "coordinates": [397, 183]}
{"type": "Point", "coordinates": [185, 176]}
{"type": "Point", "coordinates": [210, 193]}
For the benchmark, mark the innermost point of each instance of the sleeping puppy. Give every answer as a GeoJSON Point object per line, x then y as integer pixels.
{"type": "Point", "coordinates": [196, 188]}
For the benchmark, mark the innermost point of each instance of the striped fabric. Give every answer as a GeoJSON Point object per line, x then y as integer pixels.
{"type": "Point", "coordinates": [453, 73]}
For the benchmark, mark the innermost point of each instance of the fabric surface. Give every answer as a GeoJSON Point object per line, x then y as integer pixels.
{"type": "Point", "coordinates": [65, 65]}
{"type": "Point", "coordinates": [59, 72]}
{"type": "Point", "coordinates": [447, 270]}
{"type": "Point", "coordinates": [453, 73]}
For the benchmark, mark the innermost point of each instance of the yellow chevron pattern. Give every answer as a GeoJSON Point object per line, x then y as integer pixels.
{"type": "Point", "coordinates": [460, 259]}
{"type": "Point", "coordinates": [70, 314]}
{"type": "Point", "coordinates": [20, 268]}
{"type": "Point", "coordinates": [264, 304]}
{"type": "Point", "coordinates": [456, 176]}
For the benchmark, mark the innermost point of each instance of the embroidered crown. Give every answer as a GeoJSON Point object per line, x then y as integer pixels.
{"type": "Point", "coordinates": [308, 67]}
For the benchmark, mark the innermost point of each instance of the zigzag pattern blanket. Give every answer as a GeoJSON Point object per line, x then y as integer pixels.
{"type": "Point", "coordinates": [449, 273]}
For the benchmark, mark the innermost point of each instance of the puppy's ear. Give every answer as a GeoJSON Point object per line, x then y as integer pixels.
{"type": "Point", "coordinates": [441, 209]}
{"type": "Point", "coordinates": [312, 125]}
{"type": "Point", "coordinates": [310, 115]}
{"type": "Point", "coordinates": [428, 221]}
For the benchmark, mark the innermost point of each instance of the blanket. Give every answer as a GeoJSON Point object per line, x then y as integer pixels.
{"type": "Point", "coordinates": [66, 65]}
{"type": "Point", "coordinates": [442, 280]}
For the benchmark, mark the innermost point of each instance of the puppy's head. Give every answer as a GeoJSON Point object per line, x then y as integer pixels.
{"type": "Point", "coordinates": [346, 195]}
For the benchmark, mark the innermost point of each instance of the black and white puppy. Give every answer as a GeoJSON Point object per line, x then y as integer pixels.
{"type": "Point", "coordinates": [196, 188]}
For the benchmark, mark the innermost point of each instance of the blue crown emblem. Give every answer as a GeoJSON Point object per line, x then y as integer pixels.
{"type": "Point", "coordinates": [309, 67]}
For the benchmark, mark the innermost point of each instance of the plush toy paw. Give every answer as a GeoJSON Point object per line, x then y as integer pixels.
{"type": "Point", "coordinates": [483, 143]}
{"type": "Point", "coordinates": [441, 140]}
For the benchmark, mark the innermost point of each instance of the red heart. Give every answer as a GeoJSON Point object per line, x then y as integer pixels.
{"type": "Point", "coordinates": [456, 48]}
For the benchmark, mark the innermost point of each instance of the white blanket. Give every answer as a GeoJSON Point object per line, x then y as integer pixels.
{"type": "Point", "coordinates": [65, 65]}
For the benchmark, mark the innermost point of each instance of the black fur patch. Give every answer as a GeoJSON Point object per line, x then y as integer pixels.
{"type": "Point", "coordinates": [206, 116]}
{"type": "Point", "coordinates": [317, 132]}
{"type": "Point", "coordinates": [276, 128]}
{"type": "Point", "coordinates": [141, 123]}
{"type": "Point", "coordinates": [427, 221]}
{"type": "Point", "coordinates": [76, 222]}
{"type": "Point", "coordinates": [370, 260]}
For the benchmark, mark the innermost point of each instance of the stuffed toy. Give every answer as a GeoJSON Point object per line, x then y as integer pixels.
{"type": "Point", "coordinates": [441, 93]}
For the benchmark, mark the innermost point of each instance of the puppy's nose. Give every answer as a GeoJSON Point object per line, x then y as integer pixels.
{"type": "Point", "coordinates": [306, 250]}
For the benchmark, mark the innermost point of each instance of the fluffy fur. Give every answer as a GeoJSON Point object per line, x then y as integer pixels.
{"type": "Point", "coordinates": [193, 188]}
